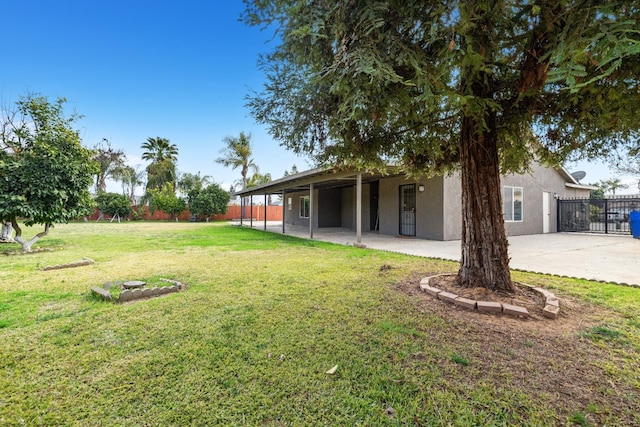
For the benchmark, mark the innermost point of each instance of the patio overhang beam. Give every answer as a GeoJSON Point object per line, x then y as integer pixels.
{"type": "Point", "coordinates": [320, 178]}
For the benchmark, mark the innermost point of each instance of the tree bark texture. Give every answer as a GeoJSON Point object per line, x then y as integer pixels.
{"type": "Point", "coordinates": [485, 260]}
{"type": "Point", "coordinates": [7, 230]}
{"type": "Point", "coordinates": [27, 244]}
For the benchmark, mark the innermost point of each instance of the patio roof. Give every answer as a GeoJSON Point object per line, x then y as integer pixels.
{"type": "Point", "coordinates": [321, 178]}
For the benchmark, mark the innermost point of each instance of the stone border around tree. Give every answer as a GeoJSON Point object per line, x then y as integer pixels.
{"type": "Point", "coordinates": [135, 294]}
{"type": "Point", "coordinates": [551, 309]}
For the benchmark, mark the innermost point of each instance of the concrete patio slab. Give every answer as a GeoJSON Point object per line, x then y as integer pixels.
{"type": "Point", "coordinates": [610, 258]}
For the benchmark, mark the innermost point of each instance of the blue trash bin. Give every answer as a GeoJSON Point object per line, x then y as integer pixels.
{"type": "Point", "coordinates": [634, 222]}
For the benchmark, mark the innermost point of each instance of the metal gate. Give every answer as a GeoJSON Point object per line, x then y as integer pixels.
{"type": "Point", "coordinates": [606, 216]}
{"type": "Point", "coordinates": [408, 210]}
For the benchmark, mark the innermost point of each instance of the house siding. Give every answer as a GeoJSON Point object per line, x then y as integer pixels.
{"type": "Point", "coordinates": [330, 208]}
{"type": "Point", "coordinates": [429, 209]}
{"type": "Point", "coordinates": [534, 183]}
{"type": "Point", "coordinates": [438, 207]}
{"type": "Point", "coordinates": [293, 216]}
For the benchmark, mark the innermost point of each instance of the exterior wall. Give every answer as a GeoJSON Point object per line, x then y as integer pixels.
{"type": "Point", "coordinates": [293, 216]}
{"type": "Point", "coordinates": [452, 205]}
{"type": "Point", "coordinates": [330, 208]}
{"type": "Point", "coordinates": [349, 207]}
{"type": "Point", "coordinates": [438, 207]}
{"type": "Point", "coordinates": [429, 207]}
{"type": "Point", "coordinates": [388, 205]}
{"type": "Point", "coordinates": [541, 179]}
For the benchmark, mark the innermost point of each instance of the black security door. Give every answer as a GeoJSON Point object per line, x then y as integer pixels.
{"type": "Point", "coordinates": [408, 210]}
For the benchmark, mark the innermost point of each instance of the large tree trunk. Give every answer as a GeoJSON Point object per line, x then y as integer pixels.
{"type": "Point", "coordinates": [7, 230]}
{"type": "Point", "coordinates": [485, 258]}
{"type": "Point", "coordinates": [485, 261]}
{"type": "Point", "coordinates": [27, 244]}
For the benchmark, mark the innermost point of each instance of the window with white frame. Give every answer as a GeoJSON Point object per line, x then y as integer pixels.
{"type": "Point", "coordinates": [289, 203]}
{"type": "Point", "coordinates": [512, 203]}
{"type": "Point", "coordinates": [304, 207]}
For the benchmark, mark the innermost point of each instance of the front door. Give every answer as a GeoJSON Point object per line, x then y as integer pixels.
{"type": "Point", "coordinates": [408, 210]}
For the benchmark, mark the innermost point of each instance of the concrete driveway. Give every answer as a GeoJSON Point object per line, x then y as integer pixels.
{"type": "Point", "coordinates": [612, 258]}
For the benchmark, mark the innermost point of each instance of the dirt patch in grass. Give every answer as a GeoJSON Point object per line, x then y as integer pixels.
{"type": "Point", "coordinates": [554, 361]}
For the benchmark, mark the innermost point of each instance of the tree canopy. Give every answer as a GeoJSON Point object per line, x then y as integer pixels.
{"type": "Point", "coordinates": [46, 172]}
{"type": "Point", "coordinates": [113, 204]}
{"type": "Point", "coordinates": [478, 87]}
{"type": "Point", "coordinates": [190, 184]}
{"type": "Point", "coordinates": [109, 160]}
{"type": "Point", "coordinates": [165, 199]}
{"type": "Point", "coordinates": [208, 201]}
{"type": "Point", "coordinates": [130, 178]}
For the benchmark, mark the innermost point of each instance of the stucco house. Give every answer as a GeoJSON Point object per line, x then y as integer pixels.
{"type": "Point", "coordinates": [430, 208]}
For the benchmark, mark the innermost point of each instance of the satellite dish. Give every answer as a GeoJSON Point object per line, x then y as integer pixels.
{"type": "Point", "coordinates": [579, 175]}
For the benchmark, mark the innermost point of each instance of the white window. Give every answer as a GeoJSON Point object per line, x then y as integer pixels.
{"type": "Point", "coordinates": [512, 203]}
{"type": "Point", "coordinates": [289, 203]}
{"type": "Point", "coordinates": [304, 207]}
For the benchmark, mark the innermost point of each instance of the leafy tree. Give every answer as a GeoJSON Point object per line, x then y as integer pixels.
{"type": "Point", "coordinates": [46, 172]}
{"type": "Point", "coordinates": [208, 201]}
{"type": "Point", "coordinates": [130, 178]}
{"type": "Point", "coordinates": [165, 199]}
{"type": "Point", "coordinates": [190, 184]}
{"type": "Point", "coordinates": [114, 204]}
{"type": "Point", "coordinates": [596, 194]}
{"type": "Point", "coordinates": [478, 87]}
{"type": "Point", "coordinates": [163, 156]}
{"type": "Point", "coordinates": [628, 165]}
{"type": "Point", "coordinates": [237, 154]}
{"type": "Point", "coordinates": [160, 173]}
{"type": "Point", "coordinates": [108, 160]}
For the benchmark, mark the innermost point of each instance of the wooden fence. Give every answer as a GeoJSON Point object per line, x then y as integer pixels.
{"type": "Point", "coordinates": [273, 213]}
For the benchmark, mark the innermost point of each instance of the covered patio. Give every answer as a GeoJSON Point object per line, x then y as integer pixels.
{"type": "Point", "coordinates": [311, 182]}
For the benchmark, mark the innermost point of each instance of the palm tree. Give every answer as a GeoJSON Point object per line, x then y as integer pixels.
{"type": "Point", "coordinates": [612, 185]}
{"type": "Point", "coordinates": [259, 179]}
{"type": "Point", "coordinates": [237, 154]}
{"type": "Point", "coordinates": [163, 156]}
{"type": "Point", "coordinates": [159, 149]}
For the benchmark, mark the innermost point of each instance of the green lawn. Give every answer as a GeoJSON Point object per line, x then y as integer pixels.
{"type": "Point", "coordinates": [265, 316]}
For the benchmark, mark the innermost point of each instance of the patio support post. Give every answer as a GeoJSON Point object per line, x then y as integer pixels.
{"type": "Point", "coordinates": [251, 211]}
{"type": "Point", "coordinates": [359, 208]}
{"type": "Point", "coordinates": [284, 209]}
{"type": "Point", "coordinates": [311, 211]}
{"type": "Point", "coordinates": [265, 211]}
{"type": "Point", "coordinates": [241, 209]}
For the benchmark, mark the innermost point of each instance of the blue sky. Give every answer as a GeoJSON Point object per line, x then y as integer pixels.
{"type": "Point", "coordinates": [146, 68]}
